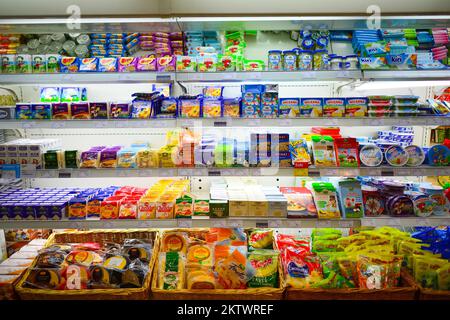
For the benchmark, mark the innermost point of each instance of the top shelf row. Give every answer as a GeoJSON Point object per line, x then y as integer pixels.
{"type": "Point", "coordinates": [161, 77]}
{"type": "Point", "coordinates": [218, 23]}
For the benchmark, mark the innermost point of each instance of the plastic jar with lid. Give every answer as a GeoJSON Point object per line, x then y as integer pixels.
{"type": "Point", "coordinates": [335, 62]}
{"type": "Point", "coordinates": [274, 60]}
{"type": "Point", "coordinates": [321, 60]}
{"type": "Point", "coordinates": [305, 60]}
{"type": "Point", "coordinates": [350, 63]}
{"type": "Point", "coordinates": [289, 60]}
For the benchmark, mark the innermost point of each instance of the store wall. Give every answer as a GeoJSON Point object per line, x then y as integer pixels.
{"type": "Point", "coordinates": [156, 7]}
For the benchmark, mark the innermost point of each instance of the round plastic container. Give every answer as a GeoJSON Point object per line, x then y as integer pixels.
{"type": "Point", "coordinates": [289, 60]}
{"type": "Point", "coordinates": [274, 60]}
{"type": "Point", "coordinates": [438, 155]}
{"type": "Point", "coordinates": [416, 156]}
{"type": "Point", "coordinates": [321, 60]}
{"type": "Point", "coordinates": [393, 188]}
{"type": "Point", "coordinates": [350, 62]}
{"type": "Point", "coordinates": [371, 156]}
{"type": "Point", "coordinates": [400, 206]}
{"type": "Point", "coordinates": [335, 63]}
{"type": "Point", "coordinates": [396, 156]}
{"type": "Point", "coordinates": [436, 193]}
{"type": "Point", "coordinates": [423, 204]}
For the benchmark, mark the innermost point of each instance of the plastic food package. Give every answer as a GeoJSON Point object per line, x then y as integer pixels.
{"type": "Point", "coordinates": [260, 239]}
{"type": "Point", "coordinates": [171, 271]}
{"type": "Point", "coordinates": [264, 264]}
{"type": "Point", "coordinates": [230, 266]}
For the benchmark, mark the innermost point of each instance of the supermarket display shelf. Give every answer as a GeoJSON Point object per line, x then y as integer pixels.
{"type": "Point", "coordinates": [223, 122]}
{"type": "Point", "coordinates": [212, 172]}
{"type": "Point", "coordinates": [406, 74]}
{"type": "Point", "coordinates": [266, 76]}
{"type": "Point", "coordinates": [246, 222]}
{"type": "Point", "coordinates": [86, 77]}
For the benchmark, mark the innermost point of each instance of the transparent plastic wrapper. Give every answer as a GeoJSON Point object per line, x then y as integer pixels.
{"type": "Point", "coordinates": [262, 268]}
{"type": "Point", "coordinates": [171, 271]}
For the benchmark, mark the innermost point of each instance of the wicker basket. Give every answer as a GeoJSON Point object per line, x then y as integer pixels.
{"type": "Point", "coordinates": [100, 236]}
{"type": "Point", "coordinates": [217, 294]}
{"type": "Point", "coordinates": [429, 294]}
{"type": "Point", "coordinates": [407, 291]}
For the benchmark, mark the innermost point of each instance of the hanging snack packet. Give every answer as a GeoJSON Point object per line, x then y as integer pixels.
{"type": "Point", "coordinates": [264, 264]}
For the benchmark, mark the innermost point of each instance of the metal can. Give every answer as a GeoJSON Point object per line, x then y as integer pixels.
{"type": "Point", "coordinates": [83, 39]}
{"type": "Point", "coordinates": [58, 37]}
{"type": "Point", "coordinates": [81, 51]}
{"type": "Point", "coordinates": [33, 44]}
{"type": "Point", "coordinates": [43, 49]}
{"type": "Point", "coordinates": [45, 39]}
{"type": "Point", "coordinates": [69, 46]}
{"type": "Point", "coordinates": [56, 47]}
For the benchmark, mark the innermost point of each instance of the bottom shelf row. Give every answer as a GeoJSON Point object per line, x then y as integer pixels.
{"type": "Point", "coordinates": [232, 263]}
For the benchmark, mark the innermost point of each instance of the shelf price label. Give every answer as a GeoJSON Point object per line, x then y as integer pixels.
{"type": "Point", "coordinates": [101, 124]}
{"type": "Point", "coordinates": [64, 174]}
{"type": "Point", "coordinates": [294, 224]}
{"type": "Point", "coordinates": [218, 223]}
{"type": "Point", "coordinates": [275, 223]}
{"type": "Point", "coordinates": [184, 223]}
{"type": "Point", "coordinates": [214, 173]}
{"type": "Point", "coordinates": [329, 172]}
{"type": "Point", "coordinates": [28, 124]}
{"type": "Point", "coordinates": [58, 124]}
{"type": "Point", "coordinates": [345, 224]}
{"type": "Point", "coordinates": [371, 172]}
{"type": "Point", "coordinates": [324, 224]}
{"type": "Point", "coordinates": [235, 223]}
{"type": "Point", "coordinates": [220, 123]}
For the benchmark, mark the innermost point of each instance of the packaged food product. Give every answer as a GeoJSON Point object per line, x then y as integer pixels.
{"type": "Point", "coordinates": [351, 199]}
{"type": "Point", "coordinates": [79, 110]}
{"type": "Point", "coordinates": [88, 65]}
{"type": "Point", "coordinates": [289, 107]}
{"type": "Point", "coordinates": [300, 202]}
{"type": "Point", "coordinates": [200, 279]}
{"type": "Point", "coordinates": [186, 63]}
{"type": "Point", "coordinates": [416, 156]}
{"type": "Point", "coordinates": [373, 201]}
{"type": "Point", "coordinates": [264, 266]}
{"type": "Point", "coordinates": [61, 111]}
{"type": "Point", "coordinates": [355, 107]}
{"type": "Point", "coordinates": [396, 156]}
{"type": "Point", "coordinates": [225, 63]}
{"type": "Point", "coordinates": [146, 63]}
{"type": "Point", "coordinates": [127, 64]}
{"type": "Point", "coordinates": [184, 206]}
{"type": "Point", "coordinates": [207, 62]}
{"type": "Point", "coordinates": [325, 198]}
{"type": "Point", "coordinates": [171, 271]}
{"type": "Point", "coordinates": [68, 64]}
{"type": "Point", "coordinates": [289, 61]}
{"type": "Point", "coordinates": [251, 100]}
{"type": "Point", "coordinates": [311, 107]}
{"type": "Point", "coordinates": [98, 110]}
{"type": "Point", "coordinates": [107, 64]}
{"type": "Point", "coordinates": [230, 266]}
{"type": "Point", "coordinates": [371, 155]}
{"type": "Point", "coordinates": [50, 94]}
{"type": "Point", "coordinates": [260, 239]}
{"type": "Point", "coordinates": [274, 60]}
{"type": "Point", "coordinates": [438, 155]}
{"type": "Point", "coordinates": [346, 152]}
{"type": "Point", "coordinates": [305, 60]}
{"type": "Point", "coordinates": [212, 108]}
{"type": "Point", "coordinates": [174, 242]}
{"type": "Point", "coordinates": [41, 111]}
{"type": "Point", "coordinates": [333, 107]}
{"type": "Point", "coordinates": [120, 110]}
{"type": "Point", "coordinates": [232, 107]}
{"type": "Point", "coordinates": [323, 151]}
{"type": "Point", "coordinates": [189, 107]}
{"type": "Point", "coordinates": [302, 270]}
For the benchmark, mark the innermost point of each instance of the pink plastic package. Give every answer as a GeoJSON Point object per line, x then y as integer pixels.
{"type": "Point", "coordinates": [147, 63]}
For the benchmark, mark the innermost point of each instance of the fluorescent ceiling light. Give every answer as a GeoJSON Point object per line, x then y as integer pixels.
{"type": "Point", "coordinates": [307, 18]}
{"type": "Point", "coordinates": [84, 20]}
{"type": "Point", "coordinates": [374, 85]}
